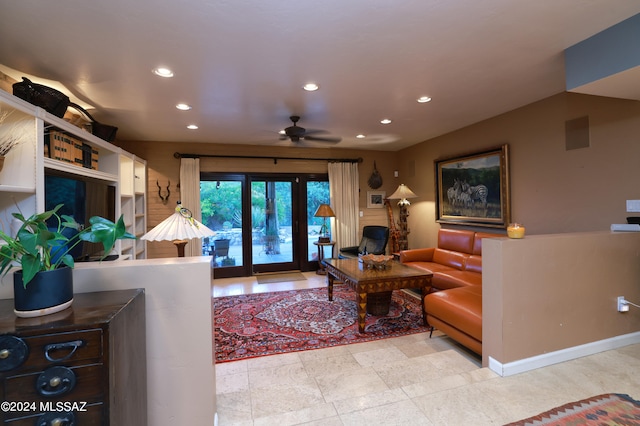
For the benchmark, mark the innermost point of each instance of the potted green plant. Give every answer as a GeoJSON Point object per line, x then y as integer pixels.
{"type": "Point", "coordinates": [44, 285]}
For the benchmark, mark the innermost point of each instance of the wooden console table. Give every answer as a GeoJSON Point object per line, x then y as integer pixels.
{"type": "Point", "coordinates": [367, 281]}
{"type": "Point", "coordinates": [85, 365]}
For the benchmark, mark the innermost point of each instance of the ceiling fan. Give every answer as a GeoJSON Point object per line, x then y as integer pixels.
{"type": "Point", "coordinates": [297, 133]}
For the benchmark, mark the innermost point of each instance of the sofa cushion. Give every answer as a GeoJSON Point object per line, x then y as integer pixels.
{"type": "Point", "coordinates": [444, 280]}
{"type": "Point", "coordinates": [450, 258]}
{"type": "Point", "coordinates": [473, 263]}
{"type": "Point", "coordinates": [430, 266]}
{"type": "Point", "coordinates": [417, 255]}
{"type": "Point", "coordinates": [460, 307]}
{"type": "Point", "coordinates": [456, 240]}
{"type": "Point", "coordinates": [477, 241]}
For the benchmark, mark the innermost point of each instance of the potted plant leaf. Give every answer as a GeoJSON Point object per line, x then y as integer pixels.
{"type": "Point", "coordinates": [42, 247]}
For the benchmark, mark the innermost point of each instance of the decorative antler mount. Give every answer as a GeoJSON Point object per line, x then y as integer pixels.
{"type": "Point", "coordinates": [165, 198]}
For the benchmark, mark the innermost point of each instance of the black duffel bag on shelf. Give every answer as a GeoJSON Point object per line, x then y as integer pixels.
{"type": "Point", "coordinates": [103, 131]}
{"type": "Point", "coordinates": [52, 100]}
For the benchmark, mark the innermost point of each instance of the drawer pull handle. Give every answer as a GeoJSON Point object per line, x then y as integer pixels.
{"type": "Point", "coordinates": [13, 352]}
{"type": "Point", "coordinates": [55, 381]}
{"type": "Point", "coordinates": [72, 347]}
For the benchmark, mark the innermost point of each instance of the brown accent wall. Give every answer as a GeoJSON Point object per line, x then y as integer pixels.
{"type": "Point", "coordinates": [163, 167]}
{"type": "Point", "coordinates": [553, 189]}
{"type": "Point", "coordinates": [546, 293]}
{"type": "Point", "coordinates": [557, 288]}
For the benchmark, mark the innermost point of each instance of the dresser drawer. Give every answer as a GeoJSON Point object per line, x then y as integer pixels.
{"type": "Point", "coordinates": [89, 387]}
{"type": "Point", "coordinates": [64, 348]}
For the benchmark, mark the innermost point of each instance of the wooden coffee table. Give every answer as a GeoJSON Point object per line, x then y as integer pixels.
{"type": "Point", "coordinates": [366, 281]}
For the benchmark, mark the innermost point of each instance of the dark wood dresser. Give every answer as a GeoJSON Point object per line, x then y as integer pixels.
{"type": "Point", "coordinates": [83, 366]}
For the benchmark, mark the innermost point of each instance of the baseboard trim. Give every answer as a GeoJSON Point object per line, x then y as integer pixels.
{"type": "Point", "coordinates": [544, 360]}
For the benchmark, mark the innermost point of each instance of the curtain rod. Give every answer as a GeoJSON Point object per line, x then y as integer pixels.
{"type": "Point", "coordinates": [274, 158]}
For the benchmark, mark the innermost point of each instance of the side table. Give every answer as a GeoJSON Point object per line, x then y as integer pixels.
{"type": "Point", "coordinates": [321, 268]}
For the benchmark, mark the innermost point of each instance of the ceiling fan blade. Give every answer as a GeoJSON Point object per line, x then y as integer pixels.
{"type": "Point", "coordinates": [314, 131]}
{"type": "Point", "coordinates": [331, 139]}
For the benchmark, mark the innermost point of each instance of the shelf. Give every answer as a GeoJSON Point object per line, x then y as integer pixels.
{"type": "Point", "coordinates": [51, 164]}
{"type": "Point", "coordinates": [64, 126]}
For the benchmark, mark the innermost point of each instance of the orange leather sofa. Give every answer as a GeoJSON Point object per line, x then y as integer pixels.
{"type": "Point", "coordinates": [454, 304]}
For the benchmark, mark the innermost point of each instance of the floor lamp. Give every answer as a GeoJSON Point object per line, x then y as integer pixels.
{"type": "Point", "coordinates": [180, 227]}
{"type": "Point", "coordinates": [403, 193]}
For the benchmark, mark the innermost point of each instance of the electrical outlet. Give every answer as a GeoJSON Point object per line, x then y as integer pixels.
{"type": "Point", "coordinates": [623, 305]}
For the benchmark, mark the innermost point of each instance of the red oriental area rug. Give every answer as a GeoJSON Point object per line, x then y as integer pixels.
{"type": "Point", "coordinates": [255, 325]}
{"type": "Point", "coordinates": [602, 410]}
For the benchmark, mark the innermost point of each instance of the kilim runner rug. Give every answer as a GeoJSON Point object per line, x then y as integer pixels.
{"type": "Point", "coordinates": [602, 410]}
{"type": "Point", "coordinates": [262, 324]}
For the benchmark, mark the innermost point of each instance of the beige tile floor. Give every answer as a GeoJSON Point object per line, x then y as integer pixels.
{"type": "Point", "coordinates": [411, 380]}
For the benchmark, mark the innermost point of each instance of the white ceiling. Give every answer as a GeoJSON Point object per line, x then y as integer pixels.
{"type": "Point", "coordinates": [241, 63]}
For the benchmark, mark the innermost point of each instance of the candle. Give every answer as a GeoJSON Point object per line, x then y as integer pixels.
{"type": "Point", "coordinates": [515, 230]}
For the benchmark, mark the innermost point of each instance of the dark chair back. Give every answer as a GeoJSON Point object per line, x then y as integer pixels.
{"type": "Point", "coordinates": [374, 239]}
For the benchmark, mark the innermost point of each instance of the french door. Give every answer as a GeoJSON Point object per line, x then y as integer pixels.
{"type": "Point", "coordinates": [263, 222]}
{"type": "Point", "coordinates": [274, 224]}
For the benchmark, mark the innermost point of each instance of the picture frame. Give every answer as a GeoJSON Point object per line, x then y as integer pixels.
{"type": "Point", "coordinates": [473, 189]}
{"type": "Point", "coordinates": [375, 199]}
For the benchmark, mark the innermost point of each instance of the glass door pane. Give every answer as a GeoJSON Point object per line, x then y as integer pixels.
{"type": "Point", "coordinates": [272, 225]}
{"type": "Point", "coordinates": [317, 193]}
{"type": "Point", "coordinates": [221, 203]}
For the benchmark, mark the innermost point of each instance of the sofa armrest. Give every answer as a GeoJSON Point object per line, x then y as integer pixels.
{"type": "Point", "coordinates": [417, 255]}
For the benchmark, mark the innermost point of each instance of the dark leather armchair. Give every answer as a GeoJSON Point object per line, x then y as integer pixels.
{"type": "Point", "coordinates": [374, 241]}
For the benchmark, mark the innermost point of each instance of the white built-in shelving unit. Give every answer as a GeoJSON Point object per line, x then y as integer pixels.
{"type": "Point", "coordinates": [22, 177]}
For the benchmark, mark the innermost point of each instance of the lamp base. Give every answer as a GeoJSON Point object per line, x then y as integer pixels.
{"type": "Point", "coordinates": [180, 246]}
{"type": "Point", "coordinates": [324, 239]}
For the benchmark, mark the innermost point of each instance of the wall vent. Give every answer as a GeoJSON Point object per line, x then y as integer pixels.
{"type": "Point", "coordinates": [577, 133]}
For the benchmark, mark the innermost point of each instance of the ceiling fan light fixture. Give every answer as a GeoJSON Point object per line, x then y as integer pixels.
{"type": "Point", "coordinates": [183, 107]}
{"type": "Point", "coordinates": [163, 72]}
{"type": "Point", "coordinates": [192, 127]}
{"type": "Point", "coordinates": [311, 87]}
{"type": "Point", "coordinates": [360, 136]}
{"type": "Point", "coordinates": [423, 99]}
{"type": "Point", "coordinates": [385, 121]}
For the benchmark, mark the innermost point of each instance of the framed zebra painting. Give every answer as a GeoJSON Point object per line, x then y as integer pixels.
{"type": "Point", "coordinates": [473, 189]}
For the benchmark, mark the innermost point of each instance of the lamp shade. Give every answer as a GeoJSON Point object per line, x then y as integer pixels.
{"type": "Point", "coordinates": [324, 210]}
{"type": "Point", "coordinates": [179, 226]}
{"type": "Point", "coordinates": [402, 193]}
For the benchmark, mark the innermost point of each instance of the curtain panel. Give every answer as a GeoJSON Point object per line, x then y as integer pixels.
{"type": "Point", "coordinates": [190, 198]}
{"type": "Point", "coordinates": [344, 199]}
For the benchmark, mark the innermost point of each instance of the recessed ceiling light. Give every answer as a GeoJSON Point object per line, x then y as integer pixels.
{"type": "Point", "coordinates": [385, 121]}
{"type": "Point", "coordinates": [361, 136]}
{"type": "Point", "coordinates": [192, 127]}
{"type": "Point", "coordinates": [424, 99]}
{"type": "Point", "coordinates": [310, 87]}
{"type": "Point", "coordinates": [163, 72]}
{"type": "Point", "coordinates": [183, 107]}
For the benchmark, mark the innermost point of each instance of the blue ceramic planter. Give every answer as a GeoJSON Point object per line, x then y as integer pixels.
{"type": "Point", "coordinates": [49, 292]}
